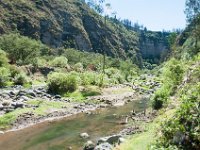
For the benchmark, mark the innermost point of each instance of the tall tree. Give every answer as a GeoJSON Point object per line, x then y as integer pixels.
{"type": "Point", "coordinates": [97, 5]}
{"type": "Point", "coordinates": [192, 12]}
{"type": "Point", "coordinates": [192, 9]}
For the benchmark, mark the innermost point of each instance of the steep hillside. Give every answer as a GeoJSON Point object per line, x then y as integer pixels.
{"type": "Point", "coordinates": [68, 23]}
{"type": "Point", "coordinates": [177, 101]}
{"type": "Point", "coordinates": [154, 46]}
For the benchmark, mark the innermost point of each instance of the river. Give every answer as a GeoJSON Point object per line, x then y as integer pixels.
{"type": "Point", "coordinates": [64, 133]}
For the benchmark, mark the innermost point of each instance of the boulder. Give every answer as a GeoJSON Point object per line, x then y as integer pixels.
{"type": "Point", "coordinates": [33, 94]}
{"type": "Point", "coordinates": [57, 97]}
{"type": "Point", "coordinates": [19, 105]}
{"type": "Point", "coordinates": [6, 103]}
{"type": "Point", "coordinates": [1, 132]}
{"type": "Point", "coordinates": [110, 139]}
{"type": "Point", "coordinates": [89, 145]}
{"type": "Point", "coordinates": [25, 98]}
{"type": "Point", "coordinates": [1, 107]}
{"type": "Point", "coordinates": [121, 140]}
{"type": "Point", "coordinates": [40, 92]}
{"type": "Point", "coordinates": [84, 135]}
{"type": "Point", "coordinates": [21, 93]}
{"type": "Point", "coordinates": [104, 146]}
{"type": "Point", "coordinates": [13, 93]}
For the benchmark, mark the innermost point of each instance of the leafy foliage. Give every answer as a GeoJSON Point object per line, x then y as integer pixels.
{"type": "Point", "coordinates": [4, 76]}
{"type": "Point", "coordinates": [61, 83]}
{"type": "Point", "coordinates": [3, 58]}
{"type": "Point", "coordinates": [60, 62]}
{"type": "Point", "coordinates": [183, 130]}
{"type": "Point", "coordinates": [172, 76]}
{"type": "Point", "coordinates": [20, 49]}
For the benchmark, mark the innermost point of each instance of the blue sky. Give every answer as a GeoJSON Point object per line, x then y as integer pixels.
{"type": "Point", "coordinates": [156, 15]}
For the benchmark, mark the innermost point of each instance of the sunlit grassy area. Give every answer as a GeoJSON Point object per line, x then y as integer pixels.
{"type": "Point", "coordinates": [143, 140]}
{"type": "Point", "coordinates": [43, 107]}
{"type": "Point", "coordinates": [80, 95]}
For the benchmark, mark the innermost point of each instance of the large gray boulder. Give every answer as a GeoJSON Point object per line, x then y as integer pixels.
{"type": "Point", "coordinates": [104, 146]}
{"type": "Point", "coordinates": [89, 145]}
{"type": "Point", "coordinates": [110, 139]}
{"type": "Point", "coordinates": [1, 107]}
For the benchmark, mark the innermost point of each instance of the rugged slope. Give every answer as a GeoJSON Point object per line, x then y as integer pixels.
{"type": "Point", "coordinates": [154, 46]}
{"type": "Point", "coordinates": [68, 23]}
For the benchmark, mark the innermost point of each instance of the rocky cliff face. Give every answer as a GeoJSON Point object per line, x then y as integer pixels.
{"type": "Point", "coordinates": [66, 23]}
{"type": "Point", "coordinates": [72, 24]}
{"type": "Point", "coordinates": [153, 45]}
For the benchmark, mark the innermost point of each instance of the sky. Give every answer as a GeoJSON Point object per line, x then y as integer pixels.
{"type": "Point", "coordinates": [156, 15]}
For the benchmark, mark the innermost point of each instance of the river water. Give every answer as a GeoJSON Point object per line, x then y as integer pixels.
{"type": "Point", "coordinates": [64, 133]}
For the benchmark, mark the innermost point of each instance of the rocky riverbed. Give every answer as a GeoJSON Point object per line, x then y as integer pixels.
{"type": "Point", "coordinates": [18, 98]}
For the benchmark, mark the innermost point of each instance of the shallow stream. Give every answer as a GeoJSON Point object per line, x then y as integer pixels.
{"type": "Point", "coordinates": [64, 133]}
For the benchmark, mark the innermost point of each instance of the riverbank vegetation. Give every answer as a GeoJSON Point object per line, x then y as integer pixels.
{"type": "Point", "coordinates": [177, 100]}
{"type": "Point", "coordinates": [70, 77]}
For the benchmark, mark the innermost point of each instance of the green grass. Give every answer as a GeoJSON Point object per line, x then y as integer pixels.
{"type": "Point", "coordinates": [122, 90]}
{"type": "Point", "coordinates": [43, 108]}
{"type": "Point", "coordinates": [80, 96]}
{"type": "Point", "coordinates": [142, 141]}
{"type": "Point", "coordinates": [9, 118]}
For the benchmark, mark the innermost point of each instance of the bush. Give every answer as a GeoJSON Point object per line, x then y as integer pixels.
{"type": "Point", "coordinates": [89, 78]}
{"type": "Point", "coordinates": [20, 79]}
{"type": "Point", "coordinates": [21, 49]}
{"type": "Point", "coordinates": [172, 77]}
{"type": "Point", "coordinates": [4, 76]}
{"type": "Point", "coordinates": [39, 62]}
{"type": "Point", "coordinates": [60, 83]}
{"type": "Point", "coordinates": [60, 62]}
{"type": "Point", "coordinates": [173, 71]}
{"type": "Point", "coordinates": [114, 75]}
{"type": "Point", "coordinates": [14, 71]}
{"type": "Point", "coordinates": [78, 67]}
{"type": "Point", "coordinates": [161, 96]}
{"type": "Point", "coordinates": [3, 58]}
{"type": "Point", "coordinates": [182, 130]}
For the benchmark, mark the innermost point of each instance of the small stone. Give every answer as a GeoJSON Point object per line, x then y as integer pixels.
{"type": "Point", "coordinates": [32, 94]}
{"type": "Point", "coordinates": [121, 140]}
{"type": "Point", "coordinates": [89, 145]}
{"type": "Point", "coordinates": [57, 96]}
{"type": "Point", "coordinates": [1, 132]}
{"type": "Point", "coordinates": [12, 93]}
{"type": "Point", "coordinates": [104, 146]}
{"type": "Point", "coordinates": [69, 148]}
{"type": "Point", "coordinates": [1, 107]}
{"type": "Point", "coordinates": [24, 98]}
{"type": "Point", "coordinates": [84, 135]}
{"type": "Point", "coordinates": [6, 103]}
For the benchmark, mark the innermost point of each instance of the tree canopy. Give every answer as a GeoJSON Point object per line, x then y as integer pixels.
{"type": "Point", "coordinates": [192, 9]}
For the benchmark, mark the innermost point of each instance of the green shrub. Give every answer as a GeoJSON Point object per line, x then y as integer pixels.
{"type": "Point", "coordinates": [89, 78]}
{"type": "Point", "coordinates": [20, 49]}
{"type": "Point", "coordinates": [14, 71]}
{"type": "Point", "coordinates": [114, 75]}
{"type": "Point", "coordinates": [172, 76]}
{"type": "Point", "coordinates": [60, 62]}
{"type": "Point", "coordinates": [173, 71]}
{"type": "Point", "coordinates": [182, 131]}
{"type": "Point", "coordinates": [78, 67]}
{"type": "Point", "coordinates": [4, 76]}
{"type": "Point", "coordinates": [60, 83]}
{"type": "Point", "coordinates": [39, 62]}
{"type": "Point", "coordinates": [20, 79]}
{"type": "Point", "coordinates": [3, 58]}
{"type": "Point", "coordinates": [161, 96]}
